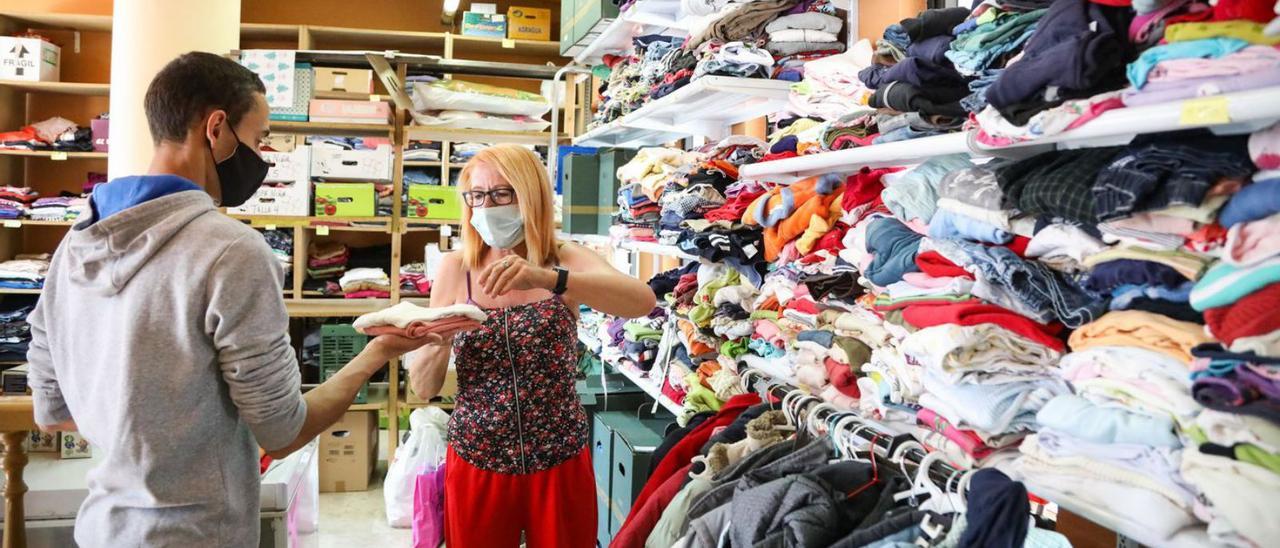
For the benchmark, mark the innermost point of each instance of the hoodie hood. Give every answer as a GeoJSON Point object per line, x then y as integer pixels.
{"type": "Point", "coordinates": [107, 253]}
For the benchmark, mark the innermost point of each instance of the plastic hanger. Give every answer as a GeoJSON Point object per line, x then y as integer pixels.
{"type": "Point", "coordinates": [898, 457]}
{"type": "Point", "coordinates": [814, 426]}
{"type": "Point", "coordinates": [875, 471]}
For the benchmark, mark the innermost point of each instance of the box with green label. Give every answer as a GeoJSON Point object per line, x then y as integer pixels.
{"type": "Point", "coordinates": [346, 200]}
{"type": "Point", "coordinates": [434, 202]}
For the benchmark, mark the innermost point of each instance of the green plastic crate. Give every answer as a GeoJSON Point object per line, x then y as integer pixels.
{"type": "Point", "coordinates": [339, 344]}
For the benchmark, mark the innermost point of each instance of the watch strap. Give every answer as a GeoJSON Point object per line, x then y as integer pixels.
{"type": "Point", "coordinates": [562, 281]}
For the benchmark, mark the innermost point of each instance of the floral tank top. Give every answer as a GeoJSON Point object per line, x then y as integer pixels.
{"type": "Point", "coordinates": [517, 410]}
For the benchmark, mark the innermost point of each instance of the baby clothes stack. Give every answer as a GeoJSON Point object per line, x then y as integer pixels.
{"type": "Point", "coordinates": [807, 32]}
{"type": "Point", "coordinates": [413, 321]}
{"type": "Point", "coordinates": [413, 279]}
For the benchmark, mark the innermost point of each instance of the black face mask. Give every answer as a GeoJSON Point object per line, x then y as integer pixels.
{"type": "Point", "coordinates": [240, 175]}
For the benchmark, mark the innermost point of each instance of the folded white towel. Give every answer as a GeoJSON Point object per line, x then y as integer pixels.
{"type": "Point", "coordinates": [401, 315]}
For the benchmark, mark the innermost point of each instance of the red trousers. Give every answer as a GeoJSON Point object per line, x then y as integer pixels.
{"type": "Point", "coordinates": [554, 508]}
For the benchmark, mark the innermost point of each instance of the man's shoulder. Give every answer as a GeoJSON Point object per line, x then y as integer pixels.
{"type": "Point", "coordinates": [218, 233]}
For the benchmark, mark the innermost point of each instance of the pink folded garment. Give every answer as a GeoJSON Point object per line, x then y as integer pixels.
{"type": "Point", "coordinates": [368, 294]}
{"type": "Point", "coordinates": [925, 281]}
{"type": "Point", "coordinates": [418, 329]}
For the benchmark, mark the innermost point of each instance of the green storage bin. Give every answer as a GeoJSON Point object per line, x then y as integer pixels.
{"type": "Point", "coordinates": [591, 16]}
{"type": "Point", "coordinates": [604, 524]}
{"type": "Point", "coordinates": [610, 160]}
{"type": "Point", "coordinates": [339, 344]}
{"type": "Point", "coordinates": [567, 9]}
{"type": "Point", "coordinates": [580, 186]}
{"type": "Point", "coordinates": [435, 202]}
{"type": "Point", "coordinates": [633, 441]}
{"type": "Point", "coordinates": [602, 454]}
{"type": "Point", "coordinates": [345, 200]}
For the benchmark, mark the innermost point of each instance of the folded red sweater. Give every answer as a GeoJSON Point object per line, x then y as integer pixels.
{"type": "Point", "coordinates": [922, 316]}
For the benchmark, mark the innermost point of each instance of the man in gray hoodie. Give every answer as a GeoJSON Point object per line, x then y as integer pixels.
{"type": "Point", "coordinates": [161, 334]}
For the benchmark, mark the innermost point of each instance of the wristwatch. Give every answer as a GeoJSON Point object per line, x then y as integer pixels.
{"type": "Point", "coordinates": [562, 281]}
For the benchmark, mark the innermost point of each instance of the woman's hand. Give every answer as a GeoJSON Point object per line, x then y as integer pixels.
{"type": "Point", "coordinates": [513, 273]}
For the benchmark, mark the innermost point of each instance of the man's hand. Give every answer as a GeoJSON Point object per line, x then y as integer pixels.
{"type": "Point", "coordinates": [394, 346]}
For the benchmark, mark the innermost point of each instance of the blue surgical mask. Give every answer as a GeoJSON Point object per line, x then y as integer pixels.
{"type": "Point", "coordinates": [501, 227]}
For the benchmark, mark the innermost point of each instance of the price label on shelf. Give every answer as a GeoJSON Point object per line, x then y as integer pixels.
{"type": "Point", "coordinates": [12, 223]}
{"type": "Point", "coordinates": [58, 155]}
{"type": "Point", "coordinates": [269, 227]}
{"type": "Point", "coordinates": [322, 230]}
{"type": "Point", "coordinates": [508, 43]}
{"type": "Point", "coordinates": [1205, 111]}
{"type": "Point", "coordinates": [446, 231]}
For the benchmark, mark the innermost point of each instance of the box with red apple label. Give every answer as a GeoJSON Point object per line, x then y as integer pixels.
{"type": "Point", "coordinates": [435, 202]}
{"type": "Point", "coordinates": [346, 200]}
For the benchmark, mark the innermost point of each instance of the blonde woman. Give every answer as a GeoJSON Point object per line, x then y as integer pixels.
{"type": "Point", "coordinates": [518, 457]}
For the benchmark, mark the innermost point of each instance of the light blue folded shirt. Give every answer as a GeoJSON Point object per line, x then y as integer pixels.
{"type": "Point", "coordinates": [1081, 418]}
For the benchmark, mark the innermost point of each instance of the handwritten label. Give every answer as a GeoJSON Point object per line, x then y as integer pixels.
{"type": "Point", "coordinates": [375, 98]}
{"type": "Point", "coordinates": [58, 155]}
{"type": "Point", "coordinates": [1205, 111]}
{"type": "Point", "coordinates": [12, 223]}
{"type": "Point", "coordinates": [446, 231]}
{"type": "Point", "coordinates": [322, 230]}
{"type": "Point", "coordinates": [508, 43]}
{"type": "Point", "coordinates": [270, 227]}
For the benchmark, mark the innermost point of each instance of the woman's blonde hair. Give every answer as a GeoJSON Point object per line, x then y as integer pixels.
{"type": "Point", "coordinates": [526, 174]}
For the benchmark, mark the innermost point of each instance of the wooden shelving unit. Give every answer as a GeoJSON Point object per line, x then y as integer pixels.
{"type": "Point", "coordinates": [299, 303]}
{"type": "Point", "coordinates": [65, 88]}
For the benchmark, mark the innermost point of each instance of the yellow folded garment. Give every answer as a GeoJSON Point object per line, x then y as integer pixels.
{"type": "Point", "coordinates": [1141, 329]}
{"type": "Point", "coordinates": [1248, 31]}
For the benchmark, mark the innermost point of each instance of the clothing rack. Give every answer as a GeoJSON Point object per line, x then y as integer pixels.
{"type": "Point", "coordinates": [887, 446]}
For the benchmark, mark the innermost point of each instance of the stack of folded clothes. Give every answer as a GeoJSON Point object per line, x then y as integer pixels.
{"type": "Point", "coordinates": [808, 32]}
{"type": "Point", "coordinates": [327, 260]}
{"type": "Point", "coordinates": [366, 283]}
{"type": "Point", "coordinates": [24, 271]}
{"type": "Point", "coordinates": [51, 209]}
{"type": "Point", "coordinates": [413, 280]}
{"type": "Point", "coordinates": [15, 333]}
{"type": "Point", "coordinates": [281, 244]}
{"type": "Point", "coordinates": [55, 133]}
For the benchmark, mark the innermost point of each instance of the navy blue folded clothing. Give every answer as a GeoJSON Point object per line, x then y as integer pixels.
{"type": "Point", "coordinates": [1080, 48]}
{"type": "Point", "coordinates": [1112, 274]}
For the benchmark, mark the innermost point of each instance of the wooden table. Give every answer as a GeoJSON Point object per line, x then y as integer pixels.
{"type": "Point", "coordinates": [17, 419]}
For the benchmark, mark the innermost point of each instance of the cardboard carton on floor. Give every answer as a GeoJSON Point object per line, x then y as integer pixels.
{"type": "Point", "coordinates": [348, 452]}
{"type": "Point", "coordinates": [42, 442]}
{"type": "Point", "coordinates": [74, 446]}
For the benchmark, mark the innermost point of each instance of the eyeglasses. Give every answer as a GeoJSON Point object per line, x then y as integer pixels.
{"type": "Point", "coordinates": [499, 196]}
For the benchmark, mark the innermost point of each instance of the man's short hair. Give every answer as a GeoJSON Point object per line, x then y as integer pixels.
{"type": "Point", "coordinates": [191, 86]}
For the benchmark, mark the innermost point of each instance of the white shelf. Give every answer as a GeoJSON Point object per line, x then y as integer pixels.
{"type": "Point", "coordinates": [638, 21]}
{"type": "Point", "coordinates": [657, 249]}
{"type": "Point", "coordinates": [652, 389]}
{"type": "Point", "coordinates": [590, 239]}
{"type": "Point", "coordinates": [1248, 111]}
{"type": "Point", "coordinates": [707, 106]}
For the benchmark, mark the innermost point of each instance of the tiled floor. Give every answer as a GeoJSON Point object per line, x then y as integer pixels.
{"type": "Point", "coordinates": [359, 519]}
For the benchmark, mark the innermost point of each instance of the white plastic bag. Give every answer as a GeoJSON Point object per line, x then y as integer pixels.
{"type": "Point", "coordinates": [476, 97]}
{"type": "Point", "coordinates": [425, 447]}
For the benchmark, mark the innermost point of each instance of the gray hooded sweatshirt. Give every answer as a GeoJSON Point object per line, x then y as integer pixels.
{"type": "Point", "coordinates": [162, 332]}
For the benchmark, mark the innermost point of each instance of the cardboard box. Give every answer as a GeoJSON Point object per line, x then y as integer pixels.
{"type": "Point", "coordinates": [42, 442]}
{"type": "Point", "coordinates": [528, 23]}
{"type": "Point", "coordinates": [29, 60]}
{"type": "Point", "coordinates": [101, 129]}
{"type": "Point", "coordinates": [333, 163]}
{"type": "Point", "coordinates": [280, 142]}
{"type": "Point", "coordinates": [301, 96]}
{"type": "Point", "coordinates": [346, 111]}
{"type": "Point", "coordinates": [345, 200]}
{"type": "Point", "coordinates": [74, 446]}
{"type": "Point", "coordinates": [287, 191]}
{"type": "Point", "coordinates": [448, 390]}
{"type": "Point", "coordinates": [484, 24]}
{"type": "Point", "coordinates": [434, 202]}
{"type": "Point", "coordinates": [348, 452]}
{"type": "Point", "coordinates": [343, 83]}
